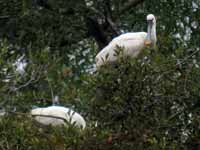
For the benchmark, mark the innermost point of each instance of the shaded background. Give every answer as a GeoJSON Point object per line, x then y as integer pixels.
{"type": "Point", "coordinates": [48, 48]}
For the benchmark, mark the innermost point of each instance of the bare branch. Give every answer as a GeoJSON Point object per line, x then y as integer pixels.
{"type": "Point", "coordinates": [40, 115]}
{"type": "Point", "coordinates": [113, 26]}
{"type": "Point", "coordinates": [98, 31]}
{"type": "Point", "coordinates": [95, 30]}
{"type": "Point", "coordinates": [25, 85]}
{"type": "Point", "coordinates": [4, 17]}
{"type": "Point", "coordinates": [35, 77]}
{"type": "Point", "coordinates": [50, 86]}
{"type": "Point", "coordinates": [108, 18]}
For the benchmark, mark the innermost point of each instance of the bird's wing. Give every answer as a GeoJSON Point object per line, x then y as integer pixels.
{"type": "Point", "coordinates": [130, 36]}
{"type": "Point", "coordinates": [131, 42]}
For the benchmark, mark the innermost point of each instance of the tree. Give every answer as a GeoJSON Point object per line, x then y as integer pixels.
{"type": "Point", "coordinates": [153, 101]}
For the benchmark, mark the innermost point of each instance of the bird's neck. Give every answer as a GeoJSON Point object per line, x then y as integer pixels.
{"type": "Point", "coordinates": [153, 34]}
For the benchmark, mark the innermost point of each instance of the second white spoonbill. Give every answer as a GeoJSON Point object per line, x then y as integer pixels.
{"type": "Point", "coordinates": [58, 115]}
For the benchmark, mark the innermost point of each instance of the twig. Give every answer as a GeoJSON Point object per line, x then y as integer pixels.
{"type": "Point", "coordinates": [52, 94]}
{"type": "Point", "coordinates": [17, 113]}
{"type": "Point", "coordinates": [30, 81]}
{"type": "Point", "coordinates": [4, 17]}
{"type": "Point", "coordinates": [49, 116]}
{"type": "Point", "coordinates": [113, 26]}
{"type": "Point", "coordinates": [186, 58]}
{"type": "Point", "coordinates": [24, 85]}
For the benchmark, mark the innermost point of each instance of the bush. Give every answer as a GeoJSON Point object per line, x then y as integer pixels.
{"type": "Point", "coordinates": [147, 103]}
{"type": "Point", "coordinates": [151, 102]}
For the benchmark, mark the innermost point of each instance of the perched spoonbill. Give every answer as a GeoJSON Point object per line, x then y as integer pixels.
{"type": "Point", "coordinates": [58, 115]}
{"type": "Point", "coordinates": [132, 43]}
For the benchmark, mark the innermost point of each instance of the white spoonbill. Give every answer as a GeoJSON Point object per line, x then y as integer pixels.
{"type": "Point", "coordinates": [58, 115]}
{"type": "Point", "coordinates": [132, 43]}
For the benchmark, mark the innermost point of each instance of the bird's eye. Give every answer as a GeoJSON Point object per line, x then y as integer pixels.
{"type": "Point", "coordinates": [150, 20]}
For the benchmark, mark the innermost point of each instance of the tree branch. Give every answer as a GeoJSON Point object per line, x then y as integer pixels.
{"type": "Point", "coordinates": [35, 77]}
{"type": "Point", "coordinates": [4, 17]}
{"type": "Point", "coordinates": [103, 32]}
{"type": "Point", "coordinates": [50, 116]}
{"type": "Point", "coordinates": [95, 30]}
{"type": "Point", "coordinates": [128, 5]}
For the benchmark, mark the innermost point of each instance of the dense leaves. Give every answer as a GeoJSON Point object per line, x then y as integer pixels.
{"type": "Point", "coordinates": [47, 49]}
{"type": "Point", "coordinates": [150, 95]}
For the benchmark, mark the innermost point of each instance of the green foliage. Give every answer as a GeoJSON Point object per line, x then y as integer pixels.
{"type": "Point", "coordinates": [144, 103]}
{"type": "Point", "coordinates": [151, 102]}
{"type": "Point", "coordinates": [151, 97]}
{"type": "Point", "coordinates": [24, 133]}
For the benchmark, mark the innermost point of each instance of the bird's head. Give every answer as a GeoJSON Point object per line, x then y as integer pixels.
{"type": "Point", "coordinates": [151, 18]}
{"type": "Point", "coordinates": [151, 37]}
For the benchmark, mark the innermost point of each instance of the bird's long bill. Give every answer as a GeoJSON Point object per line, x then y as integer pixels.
{"type": "Point", "coordinates": [149, 30]}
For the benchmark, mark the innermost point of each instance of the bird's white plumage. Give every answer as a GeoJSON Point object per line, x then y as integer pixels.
{"type": "Point", "coordinates": [58, 111]}
{"type": "Point", "coordinates": [150, 17]}
{"type": "Point", "coordinates": [132, 43]}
